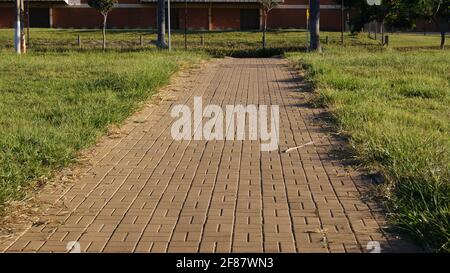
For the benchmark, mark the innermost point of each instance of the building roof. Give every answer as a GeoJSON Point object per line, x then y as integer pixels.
{"type": "Point", "coordinates": [150, 1]}
{"type": "Point", "coordinates": [69, 2]}
{"type": "Point", "coordinates": [206, 1]}
{"type": "Point", "coordinates": [40, 1]}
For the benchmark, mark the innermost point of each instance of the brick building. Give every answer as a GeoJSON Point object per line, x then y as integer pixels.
{"type": "Point", "coordinates": [201, 14]}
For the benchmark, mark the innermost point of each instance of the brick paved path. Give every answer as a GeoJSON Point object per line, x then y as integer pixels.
{"type": "Point", "coordinates": [145, 192]}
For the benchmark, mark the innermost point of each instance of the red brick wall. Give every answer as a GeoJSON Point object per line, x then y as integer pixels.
{"type": "Point", "coordinates": [197, 18]}
{"type": "Point", "coordinates": [287, 18]}
{"type": "Point", "coordinates": [119, 1]}
{"type": "Point", "coordinates": [133, 18]}
{"type": "Point", "coordinates": [330, 19]}
{"type": "Point", "coordinates": [226, 19]}
{"type": "Point", "coordinates": [305, 2]}
{"type": "Point", "coordinates": [128, 1]}
{"type": "Point", "coordinates": [90, 18]}
{"type": "Point", "coordinates": [76, 18]}
{"type": "Point", "coordinates": [6, 17]}
{"type": "Point", "coordinates": [222, 18]}
{"type": "Point", "coordinates": [422, 26]}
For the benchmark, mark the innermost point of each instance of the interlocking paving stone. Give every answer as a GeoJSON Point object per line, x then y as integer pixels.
{"type": "Point", "coordinates": [145, 192]}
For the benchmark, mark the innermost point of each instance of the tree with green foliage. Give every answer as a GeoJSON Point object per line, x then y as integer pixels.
{"type": "Point", "coordinates": [436, 11]}
{"type": "Point", "coordinates": [394, 13]}
{"type": "Point", "coordinates": [402, 14]}
{"type": "Point", "coordinates": [267, 6]}
{"type": "Point", "coordinates": [314, 25]}
{"type": "Point", "coordinates": [104, 7]}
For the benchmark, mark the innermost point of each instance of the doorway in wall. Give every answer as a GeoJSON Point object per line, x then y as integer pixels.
{"type": "Point", "coordinates": [249, 19]}
{"type": "Point", "coordinates": [174, 18]}
{"type": "Point", "coordinates": [40, 17]}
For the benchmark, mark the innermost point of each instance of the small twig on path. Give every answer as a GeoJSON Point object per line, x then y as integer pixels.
{"type": "Point", "coordinates": [303, 145]}
{"type": "Point", "coordinates": [298, 147]}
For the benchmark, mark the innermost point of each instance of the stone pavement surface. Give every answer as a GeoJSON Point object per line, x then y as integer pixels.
{"type": "Point", "coordinates": [145, 192]}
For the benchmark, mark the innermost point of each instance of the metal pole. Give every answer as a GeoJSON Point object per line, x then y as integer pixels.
{"type": "Point", "coordinates": [17, 29]}
{"type": "Point", "coordinates": [168, 25]}
{"type": "Point", "coordinates": [28, 23]}
{"type": "Point", "coordinates": [376, 29]}
{"type": "Point", "coordinates": [185, 24]}
{"type": "Point", "coordinates": [307, 28]}
{"type": "Point", "coordinates": [22, 26]}
{"type": "Point", "coordinates": [342, 22]}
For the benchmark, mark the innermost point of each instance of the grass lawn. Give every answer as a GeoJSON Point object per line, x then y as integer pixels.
{"type": "Point", "coordinates": [54, 104]}
{"type": "Point", "coordinates": [394, 104]}
{"type": "Point", "coordinates": [220, 43]}
{"type": "Point", "coordinates": [416, 40]}
{"type": "Point", "coordinates": [395, 107]}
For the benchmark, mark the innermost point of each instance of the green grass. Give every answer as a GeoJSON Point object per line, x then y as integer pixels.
{"type": "Point", "coordinates": [52, 105]}
{"type": "Point", "coordinates": [395, 107]}
{"type": "Point", "coordinates": [222, 43]}
{"type": "Point", "coordinates": [219, 44]}
{"type": "Point", "coordinates": [392, 103]}
{"type": "Point", "coordinates": [415, 40]}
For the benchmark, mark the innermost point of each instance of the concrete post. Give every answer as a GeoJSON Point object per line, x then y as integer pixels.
{"type": "Point", "coordinates": [50, 14]}
{"type": "Point", "coordinates": [261, 19]}
{"type": "Point", "coordinates": [210, 27]}
{"type": "Point", "coordinates": [169, 30]}
{"type": "Point", "coordinates": [17, 29]}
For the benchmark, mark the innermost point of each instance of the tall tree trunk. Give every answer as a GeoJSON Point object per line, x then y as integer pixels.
{"type": "Point", "coordinates": [342, 22]}
{"type": "Point", "coordinates": [161, 24]}
{"type": "Point", "coordinates": [314, 22]}
{"type": "Point", "coordinates": [265, 29]}
{"type": "Point", "coordinates": [105, 16]}
{"type": "Point", "coordinates": [22, 25]}
{"type": "Point", "coordinates": [441, 24]}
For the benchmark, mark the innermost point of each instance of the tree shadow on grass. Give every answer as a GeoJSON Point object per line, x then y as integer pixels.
{"type": "Point", "coordinates": [369, 182]}
{"type": "Point", "coordinates": [251, 52]}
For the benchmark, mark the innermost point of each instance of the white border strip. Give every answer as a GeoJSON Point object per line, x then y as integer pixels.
{"type": "Point", "coordinates": [284, 6]}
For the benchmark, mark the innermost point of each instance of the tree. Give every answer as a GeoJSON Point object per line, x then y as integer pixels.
{"type": "Point", "coordinates": [437, 11]}
{"type": "Point", "coordinates": [104, 7]}
{"type": "Point", "coordinates": [267, 6]}
{"type": "Point", "coordinates": [161, 9]}
{"type": "Point", "coordinates": [314, 22]}
{"type": "Point", "coordinates": [394, 13]}
{"type": "Point", "coordinates": [402, 14]}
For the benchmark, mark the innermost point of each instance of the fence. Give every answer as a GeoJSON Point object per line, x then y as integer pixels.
{"type": "Point", "coordinates": [377, 31]}
{"type": "Point", "coordinates": [90, 40]}
{"type": "Point", "coordinates": [224, 43]}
